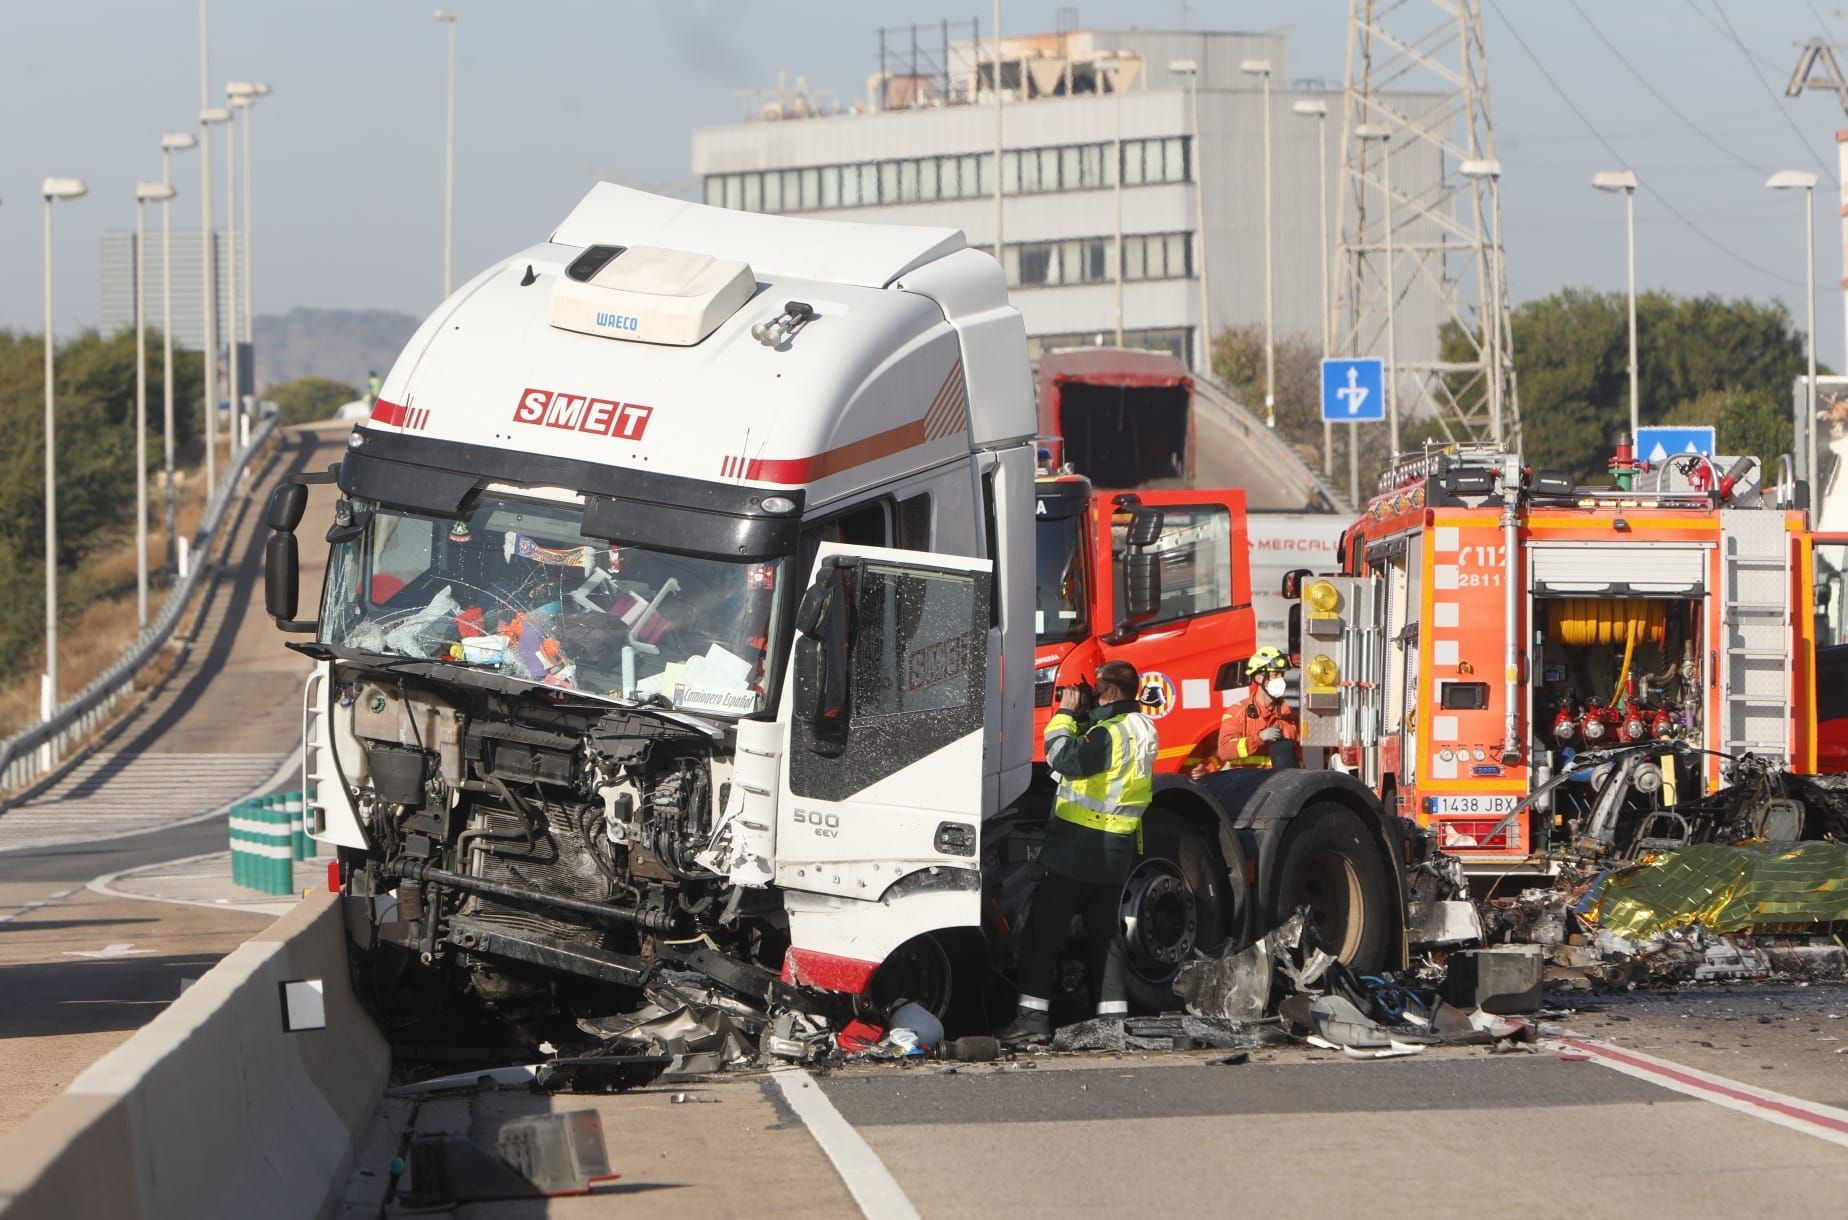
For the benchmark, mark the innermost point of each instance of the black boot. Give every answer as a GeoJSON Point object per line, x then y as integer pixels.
{"type": "Point", "coordinates": [1031, 1025]}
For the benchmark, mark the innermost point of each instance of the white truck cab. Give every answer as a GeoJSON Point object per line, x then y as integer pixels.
{"type": "Point", "coordinates": [680, 596]}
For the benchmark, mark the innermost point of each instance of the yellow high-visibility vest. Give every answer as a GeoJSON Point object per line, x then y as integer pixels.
{"type": "Point", "coordinates": [1114, 799]}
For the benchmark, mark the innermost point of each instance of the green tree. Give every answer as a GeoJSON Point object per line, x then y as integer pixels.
{"type": "Point", "coordinates": [95, 460]}
{"type": "Point", "coordinates": [308, 399]}
{"type": "Point", "coordinates": [1700, 360]}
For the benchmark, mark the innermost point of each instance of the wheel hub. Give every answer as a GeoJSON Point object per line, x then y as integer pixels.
{"type": "Point", "coordinates": [1161, 919]}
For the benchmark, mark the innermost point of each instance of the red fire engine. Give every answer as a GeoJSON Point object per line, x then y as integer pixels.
{"type": "Point", "coordinates": [1492, 624]}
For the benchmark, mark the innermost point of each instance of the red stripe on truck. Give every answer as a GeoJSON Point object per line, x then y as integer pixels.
{"type": "Point", "coordinates": [813, 968]}
{"type": "Point", "coordinates": [388, 413]}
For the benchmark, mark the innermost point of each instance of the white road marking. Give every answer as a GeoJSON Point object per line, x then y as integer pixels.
{"type": "Point", "coordinates": [108, 951]}
{"type": "Point", "coordinates": [867, 1179]}
{"type": "Point", "coordinates": [1811, 1118]}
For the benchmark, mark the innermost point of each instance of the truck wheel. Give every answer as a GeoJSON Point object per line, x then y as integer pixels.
{"type": "Point", "coordinates": [1332, 866]}
{"type": "Point", "coordinates": [1176, 900]}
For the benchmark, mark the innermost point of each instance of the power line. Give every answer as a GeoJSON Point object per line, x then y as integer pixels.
{"type": "Point", "coordinates": [1658, 196]}
{"type": "Point", "coordinates": [1667, 105]}
{"type": "Point", "coordinates": [1771, 93]}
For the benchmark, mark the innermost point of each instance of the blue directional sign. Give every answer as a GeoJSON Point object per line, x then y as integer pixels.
{"type": "Point", "coordinates": [1353, 391]}
{"type": "Point", "coordinates": [1658, 444]}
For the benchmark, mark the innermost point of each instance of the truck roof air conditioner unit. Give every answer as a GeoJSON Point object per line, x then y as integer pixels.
{"type": "Point", "coordinates": [646, 294]}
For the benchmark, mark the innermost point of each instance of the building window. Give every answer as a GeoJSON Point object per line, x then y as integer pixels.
{"type": "Point", "coordinates": [1036, 265]}
{"type": "Point", "coordinates": [1024, 171]}
{"type": "Point", "coordinates": [1086, 260]}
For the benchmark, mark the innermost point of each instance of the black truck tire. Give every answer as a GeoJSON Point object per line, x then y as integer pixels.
{"type": "Point", "coordinates": [1176, 900]}
{"type": "Point", "coordinates": [1333, 866]}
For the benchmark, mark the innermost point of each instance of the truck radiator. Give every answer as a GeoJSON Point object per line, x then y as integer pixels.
{"type": "Point", "coordinates": [559, 864]}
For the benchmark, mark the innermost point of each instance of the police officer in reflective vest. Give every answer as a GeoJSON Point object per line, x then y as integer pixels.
{"type": "Point", "coordinates": [1106, 779]}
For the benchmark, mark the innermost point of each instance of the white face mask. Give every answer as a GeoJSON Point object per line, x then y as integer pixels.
{"type": "Point", "coordinates": [1276, 687]}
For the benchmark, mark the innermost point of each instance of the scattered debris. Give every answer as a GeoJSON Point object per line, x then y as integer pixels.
{"type": "Point", "coordinates": [536, 1156]}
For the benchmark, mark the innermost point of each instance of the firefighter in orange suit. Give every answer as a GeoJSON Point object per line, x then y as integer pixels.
{"type": "Point", "coordinates": [1266, 731]}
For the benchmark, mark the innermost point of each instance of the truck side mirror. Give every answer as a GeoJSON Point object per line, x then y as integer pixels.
{"type": "Point", "coordinates": [822, 657]}
{"type": "Point", "coordinates": [286, 504]}
{"type": "Point", "coordinates": [1144, 527]}
{"type": "Point", "coordinates": [1293, 582]}
{"type": "Point", "coordinates": [281, 576]}
{"type": "Point", "coordinates": [1141, 586]}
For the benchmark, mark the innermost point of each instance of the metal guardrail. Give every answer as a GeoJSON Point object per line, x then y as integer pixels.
{"type": "Point", "coordinates": [35, 752]}
{"type": "Point", "coordinates": [1259, 436]}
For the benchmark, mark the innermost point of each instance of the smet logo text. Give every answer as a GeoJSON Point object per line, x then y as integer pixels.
{"type": "Point", "coordinates": [625, 421]}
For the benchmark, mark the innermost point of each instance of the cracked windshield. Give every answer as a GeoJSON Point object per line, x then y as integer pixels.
{"type": "Point", "coordinates": [516, 589]}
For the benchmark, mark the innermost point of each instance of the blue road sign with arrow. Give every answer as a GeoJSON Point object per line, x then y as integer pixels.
{"type": "Point", "coordinates": [1354, 391]}
{"type": "Point", "coordinates": [1657, 444]}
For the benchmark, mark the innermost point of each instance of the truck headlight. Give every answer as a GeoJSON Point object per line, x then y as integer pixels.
{"type": "Point", "coordinates": [1323, 597]}
{"type": "Point", "coordinates": [1045, 677]}
{"type": "Point", "coordinates": [1322, 671]}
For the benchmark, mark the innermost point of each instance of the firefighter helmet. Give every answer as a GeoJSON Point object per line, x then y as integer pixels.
{"type": "Point", "coordinates": [1267, 658]}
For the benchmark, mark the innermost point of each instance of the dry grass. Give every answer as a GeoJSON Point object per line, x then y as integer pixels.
{"type": "Point", "coordinates": [93, 638]}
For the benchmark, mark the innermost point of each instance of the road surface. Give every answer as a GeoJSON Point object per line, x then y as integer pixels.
{"type": "Point", "coordinates": [1292, 1131]}
{"type": "Point", "coordinates": [80, 970]}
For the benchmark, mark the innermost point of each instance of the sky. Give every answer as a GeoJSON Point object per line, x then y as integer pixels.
{"type": "Point", "coordinates": [554, 93]}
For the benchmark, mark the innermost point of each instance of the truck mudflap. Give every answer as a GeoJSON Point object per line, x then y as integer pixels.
{"type": "Point", "coordinates": [1266, 812]}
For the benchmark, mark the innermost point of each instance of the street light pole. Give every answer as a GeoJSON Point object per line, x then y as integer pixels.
{"type": "Point", "coordinates": [1116, 89]}
{"type": "Point", "coordinates": [1492, 330]}
{"type": "Point", "coordinates": [447, 17]}
{"type": "Point", "coordinates": [1625, 180]}
{"type": "Point", "coordinates": [1191, 70]}
{"type": "Point", "coordinates": [998, 246]}
{"type": "Point", "coordinates": [1262, 67]}
{"type": "Point", "coordinates": [233, 319]}
{"type": "Point", "coordinates": [170, 143]}
{"type": "Point", "coordinates": [55, 189]}
{"type": "Point", "coordinates": [208, 260]}
{"type": "Point", "coordinates": [1792, 179]}
{"type": "Point", "coordinates": [144, 192]}
{"type": "Point", "coordinates": [1318, 110]}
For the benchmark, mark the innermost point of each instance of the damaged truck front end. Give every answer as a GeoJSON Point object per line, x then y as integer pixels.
{"type": "Point", "coordinates": [541, 799]}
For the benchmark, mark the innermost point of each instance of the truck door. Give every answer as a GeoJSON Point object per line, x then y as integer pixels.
{"type": "Point", "coordinates": [884, 723]}
{"type": "Point", "coordinates": [1204, 621]}
{"type": "Point", "coordinates": [1828, 649]}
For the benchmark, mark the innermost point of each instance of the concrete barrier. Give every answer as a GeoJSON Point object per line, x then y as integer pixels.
{"type": "Point", "coordinates": [216, 1107]}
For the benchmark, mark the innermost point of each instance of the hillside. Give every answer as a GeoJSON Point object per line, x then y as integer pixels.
{"type": "Point", "coordinates": [342, 344]}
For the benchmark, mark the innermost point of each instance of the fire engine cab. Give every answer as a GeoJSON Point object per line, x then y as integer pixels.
{"type": "Point", "coordinates": [1491, 625]}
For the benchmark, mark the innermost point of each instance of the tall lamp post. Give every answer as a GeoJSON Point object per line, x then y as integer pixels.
{"type": "Point", "coordinates": [172, 142]}
{"type": "Point", "coordinates": [55, 189]}
{"type": "Point", "coordinates": [1624, 180]}
{"type": "Point", "coordinates": [448, 18]}
{"type": "Point", "coordinates": [1318, 110]}
{"type": "Point", "coordinates": [208, 260]}
{"type": "Point", "coordinates": [250, 91]}
{"type": "Point", "coordinates": [998, 249]}
{"type": "Point", "coordinates": [1262, 67]}
{"type": "Point", "coordinates": [1790, 180]}
{"type": "Point", "coordinates": [1491, 169]}
{"type": "Point", "coordinates": [234, 320]}
{"type": "Point", "coordinates": [1114, 69]}
{"type": "Point", "coordinates": [1191, 70]}
{"type": "Point", "coordinates": [145, 192]}
{"type": "Point", "coordinates": [1367, 131]}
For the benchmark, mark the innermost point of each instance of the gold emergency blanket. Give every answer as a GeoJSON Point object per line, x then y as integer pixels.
{"type": "Point", "coordinates": [1760, 887]}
